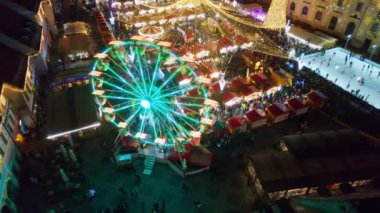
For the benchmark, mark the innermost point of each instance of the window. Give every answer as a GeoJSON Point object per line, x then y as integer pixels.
{"type": "Point", "coordinates": [374, 27]}
{"type": "Point", "coordinates": [318, 15]}
{"type": "Point", "coordinates": [305, 10]}
{"type": "Point", "coordinates": [3, 138]}
{"type": "Point", "coordinates": [339, 3]}
{"type": "Point", "coordinates": [350, 28]}
{"type": "Point", "coordinates": [292, 6]}
{"type": "Point", "coordinates": [359, 6]}
{"type": "Point", "coordinates": [333, 23]}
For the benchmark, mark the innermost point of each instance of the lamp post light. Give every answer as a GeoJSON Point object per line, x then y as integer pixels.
{"type": "Point", "coordinates": [374, 47]}
{"type": "Point", "coordinates": [348, 40]}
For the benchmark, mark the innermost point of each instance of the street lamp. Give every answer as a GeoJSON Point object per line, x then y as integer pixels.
{"type": "Point", "coordinates": [348, 40]}
{"type": "Point", "coordinates": [373, 51]}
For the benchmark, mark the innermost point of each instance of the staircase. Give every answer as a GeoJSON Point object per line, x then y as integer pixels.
{"type": "Point", "coordinates": [149, 163]}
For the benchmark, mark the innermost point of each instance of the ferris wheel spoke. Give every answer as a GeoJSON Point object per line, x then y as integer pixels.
{"type": "Point", "coordinates": [145, 64]}
{"type": "Point", "coordinates": [121, 89]}
{"type": "Point", "coordinates": [142, 125]}
{"type": "Point", "coordinates": [127, 70]}
{"type": "Point", "coordinates": [168, 109]}
{"type": "Point", "coordinates": [171, 93]}
{"type": "Point", "coordinates": [132, 117]}
{"type": "Point", "coordinates": [137, 53]}
{"type": "Point", "coordinates": [163, 119]}
{"type": "Point", "coordinates": [154, 128]}
{"type": "Point", "coordinates": [118, 109]}
{"type": "Point", "coordinates": [179, 103]}
{"type": "Point", "coordinates": [168, 117]}
{"type": "Point", "coordinates": [120, 78]}
{"type": "Point", "coordinates": [168, 80]}
{"type": "Point", "coordinates": [191, 110]}
{"type": "Point", "coordinates": [158, 61]}
{"type": "Point", "coordinates": [177, 87]}
{"type": "Point", "coordinates": [116, 97]}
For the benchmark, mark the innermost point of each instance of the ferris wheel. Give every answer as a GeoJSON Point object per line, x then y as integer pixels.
{"type": "Point", "coordinates": [150, 93]}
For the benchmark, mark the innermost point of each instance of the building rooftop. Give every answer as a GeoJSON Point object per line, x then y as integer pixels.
{"type": "Point", "coordinates": [323, 162]}
{"type": "Point", "coordinates": [13, 67]}
{"type": "Point", "coordinates": [23, 34]}
{"type": "Point", "coordinates": [31, 5]}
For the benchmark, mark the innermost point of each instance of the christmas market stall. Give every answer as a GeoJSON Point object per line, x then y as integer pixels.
{"type": "Point", "coordinates": [277, 112]}
{"type": "Point", "coordinates": [230, 99]}
{"type": "Point", "coordinates": [256, 118]}
{"type": "Point", "coordinates": [297, 106]}
{"type": "Point", "coordinates": [237, 125]}
{"type": "Point", "coordinates": [315, 99]}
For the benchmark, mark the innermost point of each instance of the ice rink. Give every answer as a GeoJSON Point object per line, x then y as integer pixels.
{"type": "Point", "coordinates": [347, 75]}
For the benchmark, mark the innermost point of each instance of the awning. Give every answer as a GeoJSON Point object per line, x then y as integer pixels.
{"type": "Point", "coordinates": [316, 40]}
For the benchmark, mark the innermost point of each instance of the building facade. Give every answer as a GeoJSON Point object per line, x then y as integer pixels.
{"type": "Point", "coordinates": [354, 20]}
{"type": "Point", "coordinates": [9, 155]}
{"type": "Point", "coordinates": [24, 47]}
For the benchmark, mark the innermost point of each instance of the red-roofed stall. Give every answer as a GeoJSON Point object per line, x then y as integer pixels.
{"type": "Point", "coordinates": [199, 51]}
{"type": "Point", "coordinates": [242, 42]}
{"type": "Point", "coordinates": [237, 83]}
{"type": "Point", "coordinates": [237, 125]}
{"type": "Point", "coordinates": [277, 112]}
{"type": "Point", "coordinates": [250, 93]}
{"type": "Point", "coordinates": [256, 118]}
{"type": "Point", "coordinates": [297, 106]}
{"type": "Point", "coordinates": [224, 45]}
{"type": "Point", "coordinates": [315, 99]}
{"type": "Point", "coordinates": [230, 98]}
{"type": "Point", "coordinates": [258, 78]}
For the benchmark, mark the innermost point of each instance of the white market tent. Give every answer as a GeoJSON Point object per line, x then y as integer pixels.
{"type": "Point", "coordinates": [315, 40]}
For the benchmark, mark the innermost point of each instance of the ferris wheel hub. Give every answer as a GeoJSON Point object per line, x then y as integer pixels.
{"type": "Point", "coordinates": [145, 104]}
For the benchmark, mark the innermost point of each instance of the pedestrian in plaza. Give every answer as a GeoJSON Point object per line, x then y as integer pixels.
{"type": "Point", "coordinates": [345, 59]}
{"type": "Point", "coordinates": [348, 85]}
{"type": "Point", "coordinates": [197, 204]}
{"type": "Point", "coordinates": [137, 180]}
{"type": "Point", "coordinates": [126, 206]}
{"type": "Point", "coordinates": [91, 194]}
{"type": "Point", "coordinates": [122, 190]}
{"type": "Point", "coordinates": [378, 74]}
{"type": "Point", "coordinates": [363, 67]}
{"type": "Point", "coordinates": [351, 64]}
{"type": "Point", "coordinates": [156, 207]}
{"type": "Point", "coordinates": [327, 75]}
{"type": "Point", "coordinates": [185, 188]}
{"type": "Point", "coordinates": [163, 206]}
{"type": "Point", "coordinates": [336, 79]}
{"type": "Point", "coordinates": [370, 73]}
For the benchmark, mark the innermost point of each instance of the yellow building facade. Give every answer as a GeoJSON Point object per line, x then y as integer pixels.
{"type": "Point", "coordinates": [354, 20]}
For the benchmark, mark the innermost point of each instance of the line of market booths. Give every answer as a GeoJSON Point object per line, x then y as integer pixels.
{"type": "Point", "coordinates": [240, 90]}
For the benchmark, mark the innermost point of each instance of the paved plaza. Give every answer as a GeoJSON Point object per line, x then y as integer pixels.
{"type": "Point", "coordinates": [224, 189]}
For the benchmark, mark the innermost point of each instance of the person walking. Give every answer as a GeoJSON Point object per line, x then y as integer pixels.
{"type": "Point", "coordinates": [184, 187]}
{"type": "Point", "coordinates": [163, 206]}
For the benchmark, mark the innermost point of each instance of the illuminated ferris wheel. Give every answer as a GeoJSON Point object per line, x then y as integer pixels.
{"type": "Point", "coordinates": [149, 93]}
